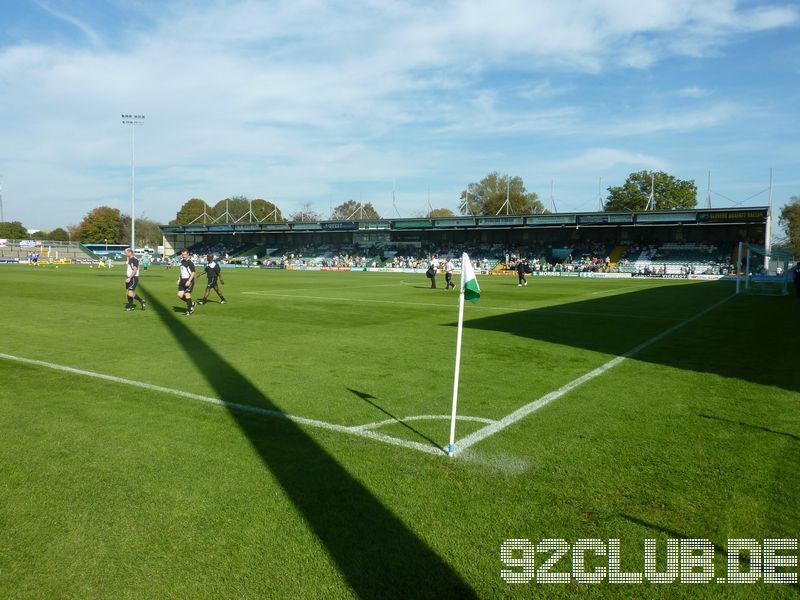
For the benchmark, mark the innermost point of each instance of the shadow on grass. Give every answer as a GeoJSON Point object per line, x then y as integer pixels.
{"type": "Point", "coordinates": [746, 338]}
{"type": "Point", "coordinates": [375, 552]}
{"type": "Point", "coordinates": [673, 533]}
{"type": "Point", "coordinates": [752, 426]}
{"type": "Point", "coordinates": [720, 551]}
{"type": "Point", "coordinates": [368, 398]}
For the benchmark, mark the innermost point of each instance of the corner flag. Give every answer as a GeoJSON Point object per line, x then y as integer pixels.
{"type": "Point", "coordinates": [469, 284]}
{"type": "Point", "coordinates": [471, 291]}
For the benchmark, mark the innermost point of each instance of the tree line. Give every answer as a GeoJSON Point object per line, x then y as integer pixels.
{"type": "Point", "coordinates": [494, 194]}
{"type": "Point", "coordinates": [100, 225]}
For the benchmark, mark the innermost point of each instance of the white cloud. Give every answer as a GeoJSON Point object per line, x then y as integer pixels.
{"type": "Point", "coordinates": [599, 160]}
{"type": "Point", "coordinates": [296, 99]}
{"type": "Point", "coordinates": [693, 92]}
{"type": "Point", "coordinates": [80, 25]}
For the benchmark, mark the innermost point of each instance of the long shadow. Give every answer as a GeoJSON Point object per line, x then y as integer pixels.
{"type": "Point", "coordinates": [745, 338]}
{"type": "Point", "coordinates": [721, 551]}
{"type": "Point", "coordinates": [375, 552]}
{"type": "Point", "coordinates": [368, 398]}
{"type": "Point", "coordinates": [752, 426]}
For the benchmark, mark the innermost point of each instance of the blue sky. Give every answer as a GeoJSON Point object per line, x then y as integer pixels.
{"type": "Point", "coordinates": [317, 102]}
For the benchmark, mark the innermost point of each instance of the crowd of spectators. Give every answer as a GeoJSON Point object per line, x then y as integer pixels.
{"type": "Point", "coordinates": [587, 256]}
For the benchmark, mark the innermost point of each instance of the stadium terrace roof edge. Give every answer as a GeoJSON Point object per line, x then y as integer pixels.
{"type": "Point", "coordinates": [701, 216]}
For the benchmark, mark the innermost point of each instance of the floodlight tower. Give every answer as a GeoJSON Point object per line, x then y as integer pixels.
{"type": "Point", "coordinates": [133, 121]}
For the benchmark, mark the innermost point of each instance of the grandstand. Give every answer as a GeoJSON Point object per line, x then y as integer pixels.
{"type": "Point", "coordinates": [698, 242]}
{"type": "Point", "coordinates": [18, 250]}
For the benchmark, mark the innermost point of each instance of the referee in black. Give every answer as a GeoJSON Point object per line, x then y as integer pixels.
{"type": "Point", "coordinates": [212, 271]}
{"type": "Point", "coordinates": [186, 281]}
{"type": "Point", "coordinates": [521, 273]}
{"type": "Point", "coordinates": [132, 280]}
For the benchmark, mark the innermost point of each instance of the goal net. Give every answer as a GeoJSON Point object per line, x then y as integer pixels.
{"type": "Point", "coordinates": [763, 271]}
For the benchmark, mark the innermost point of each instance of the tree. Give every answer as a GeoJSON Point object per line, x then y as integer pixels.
{"type": "Point", "coordinates": [74, 232]}
{"type": "Point", "coordinates": [59, 235]}
{"type": "Point", "coordinates": [190, 211]}
{"type": "Point", "coordinates": [306, 213]}
{"type": "Point", "coordinates": [440, 212]}
{"type": "Point", "coordinates": [669, 192]}
{"type": "Point", "coordinates": [266, 210]}
{"type": "Point", "coordinates": [236, 206]}
{"type": "Point", "coordinates": [790, 221]}
{"type": "Point", "coordinates": [353, 210]}
{"type": "Point", "coordinates": [488, 196]}
{"type": "Point", "coordinates": [101, 224]}
{"type": "Point", "coordinates": [148, 232]}
{"type": "Point", "coordinates": [13, 230]}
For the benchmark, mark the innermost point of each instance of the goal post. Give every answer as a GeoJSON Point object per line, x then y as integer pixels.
{"type": "Point", "coordinates": [763, 271]}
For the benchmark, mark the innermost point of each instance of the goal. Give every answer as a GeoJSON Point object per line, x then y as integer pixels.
{"type": "Point", "coordinates": [763, 271]}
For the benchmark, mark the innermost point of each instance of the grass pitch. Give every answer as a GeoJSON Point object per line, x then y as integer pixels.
{"type": "Point", "coordinates": [110, 489]}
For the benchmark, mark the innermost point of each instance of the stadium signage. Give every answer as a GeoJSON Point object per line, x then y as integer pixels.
{"type": "Point", "coordinates": [604, 219]}
{"type": "Point", "coordinates": [414, 224]}
{"type": "Point", "coordinates": [9, 260]}
{"type": "Point", "coordinates": [454, 223]}
{"type": "Point", "coordinates": [500, 221]}
{"type": "Point", "coordinates": [196, 228]}
{"type": "Point", "coordinates": [605, 275]}
{"type": "Point", "coordinates": [220, 228]}
{"type": "Point", "coordinates": [305, 226]}
{"type": "Point", "coordinates": [690, 560]}
{"type": "Point", "coordinates": [551, 220]}
{"type": "Point", "coordinates": [376, 225]}
{"type": "Point", "coordinates": [3, 243]}
{"type": "Point", "coordinates": [726, 216]}
{"type": "Point", "coordinates": [274, 226]}
{"type": "Point", "coordinates": [661, 275]}
{"type": "Point", "coordinates": [340, 225]}
{"type": "Point", "coordinates": [248, 227]}
{"type": "Point", "coordinates": [27, 243]}
{"type": "Point", "coordinates": [671, 217]}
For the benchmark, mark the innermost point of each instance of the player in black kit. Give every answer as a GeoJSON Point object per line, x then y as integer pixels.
{"type": "Point", "coordinates": [213, 273]}
{"type": "Point", "coordinates": [186, 281]}
{"type": "Point", "coordinates": [132, 280]}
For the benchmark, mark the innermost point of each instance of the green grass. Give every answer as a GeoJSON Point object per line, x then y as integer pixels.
{"type": "Point", "coordinates": [108, 490]}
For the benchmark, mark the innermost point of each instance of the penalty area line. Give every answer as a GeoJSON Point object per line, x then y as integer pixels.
{"type": "Point", "coordinates": [246, 408]}
{"type": "Point", "coordinates": [524, 411]}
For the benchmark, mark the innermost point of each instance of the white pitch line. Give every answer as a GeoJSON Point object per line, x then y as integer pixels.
{"type": "Point", "coordinates": [234, 405]}
{"type": "Point", "coordinates": [524, 411]}
{"type": "Point", "coordinates": [608, 291]}
{"type": "Point", "coordinates": [378, 424]}
{"type": "Point", "coordinates": [350, 287]}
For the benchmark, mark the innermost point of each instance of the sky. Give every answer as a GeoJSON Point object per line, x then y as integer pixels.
{"type": "Point", "coordinates": [317, 102]}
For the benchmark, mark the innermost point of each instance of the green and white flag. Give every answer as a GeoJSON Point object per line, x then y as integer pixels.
{"type": "Point", "coordinates": [469, 284]}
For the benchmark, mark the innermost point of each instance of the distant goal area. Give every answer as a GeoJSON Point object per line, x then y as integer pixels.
{"type": "Point", "coordinates": [763, 270]}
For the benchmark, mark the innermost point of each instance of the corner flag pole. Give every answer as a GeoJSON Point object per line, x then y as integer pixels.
{"type": "Point", "coordinates": [452, 446]}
